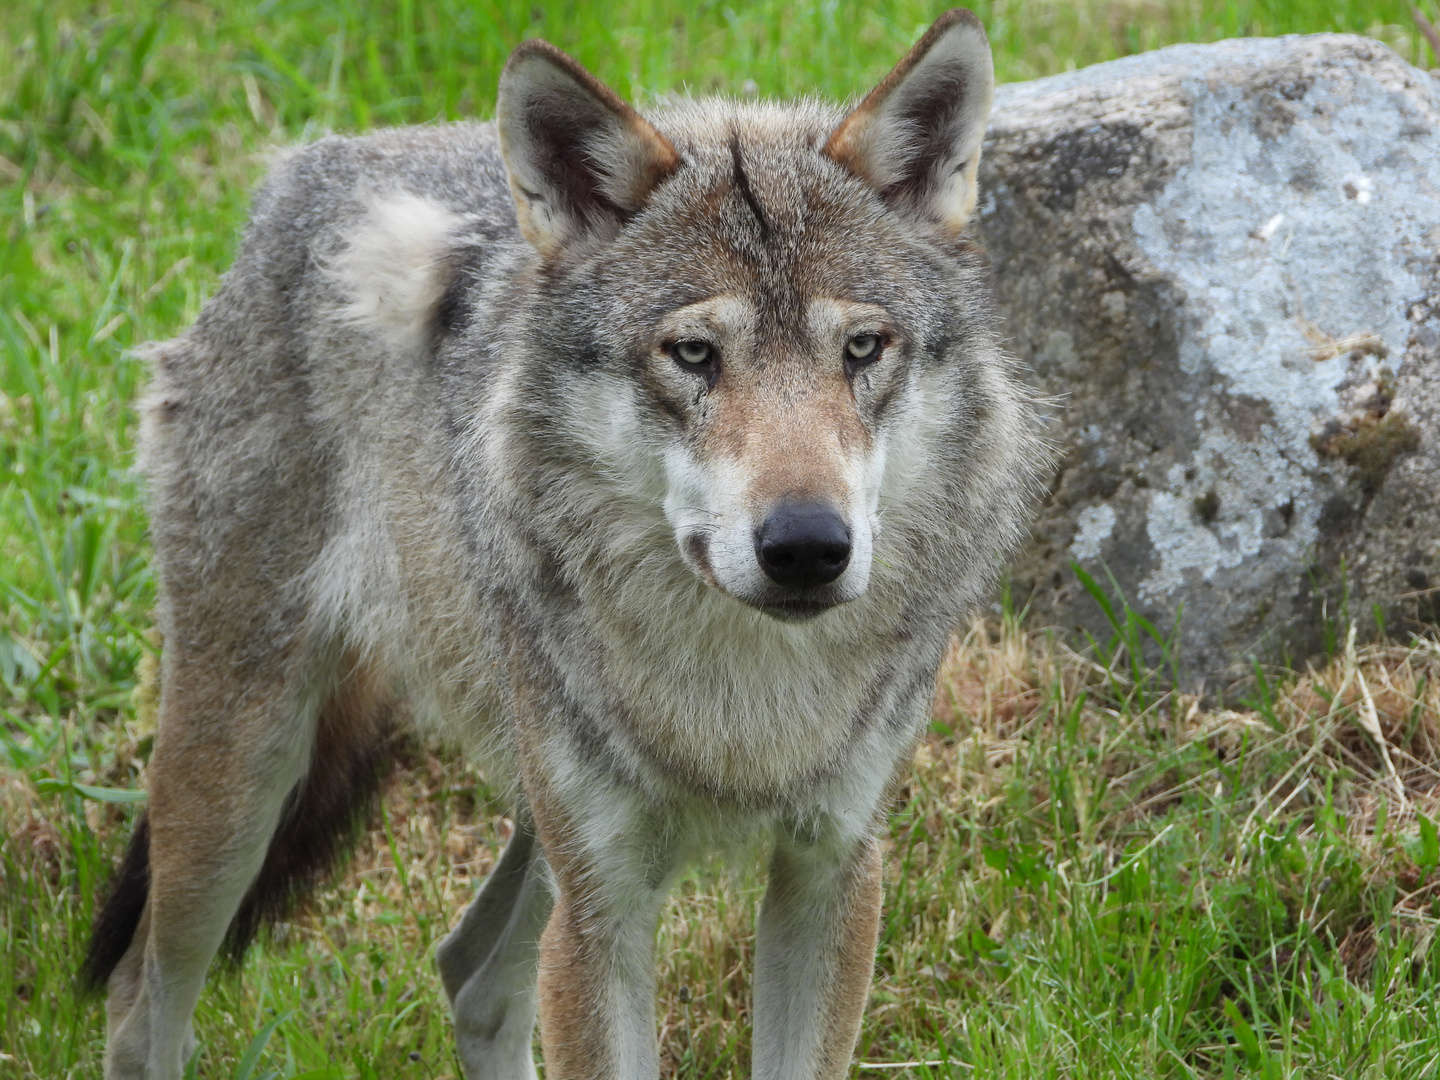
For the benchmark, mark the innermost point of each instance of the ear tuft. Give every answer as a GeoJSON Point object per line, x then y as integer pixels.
{"type": "Point", "coordinates": [916, 137]}
{"type": "Point", "coordinates": [581, 161]}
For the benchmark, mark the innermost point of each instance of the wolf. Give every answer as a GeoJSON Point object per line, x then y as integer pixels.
{"type": "Point", "coordinates": [654, 456]}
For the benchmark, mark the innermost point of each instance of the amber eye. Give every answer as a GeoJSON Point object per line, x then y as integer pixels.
{"type": "Point", "coordinates": [862, 348]}
{"type": "Point", "coordinates": [693, 351]}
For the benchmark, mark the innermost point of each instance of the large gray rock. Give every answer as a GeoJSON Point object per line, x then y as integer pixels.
{"type": "Point", "coordinates": [1221, 260]}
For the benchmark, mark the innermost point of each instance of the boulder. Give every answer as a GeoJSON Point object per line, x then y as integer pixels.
{"type": "Point", "coordinates": [1220, 262]}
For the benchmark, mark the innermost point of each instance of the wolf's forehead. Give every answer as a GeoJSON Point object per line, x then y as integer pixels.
{"type": "Point", "coordinates": [767, 154]}
{"type": "Point", "coordinates": [755, 209]}
{"type": "Point", "coordinates": [748, 315]}
{"type": "Point", "coordinates": [698, 126]}
{"type": "Point", "coordinates": [778, 239]}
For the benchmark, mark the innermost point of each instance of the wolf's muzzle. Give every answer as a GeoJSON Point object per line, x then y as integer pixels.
{"type": "Point", "coordinates": [803, 544]}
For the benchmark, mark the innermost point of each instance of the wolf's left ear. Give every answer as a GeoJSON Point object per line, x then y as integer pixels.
{"type": "Point", "coordinates": [916, 137]}
{"type": "Point", "coordinates": [580, 160]}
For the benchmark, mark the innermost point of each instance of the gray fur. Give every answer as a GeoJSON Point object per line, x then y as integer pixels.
{"type": "Point", "coordinates": [401, 434]}
{"type": "Point", "coordinates": [487, 963]}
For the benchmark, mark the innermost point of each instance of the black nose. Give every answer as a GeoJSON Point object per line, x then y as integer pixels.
{"type": "Point", "coordinates": [803, 543]}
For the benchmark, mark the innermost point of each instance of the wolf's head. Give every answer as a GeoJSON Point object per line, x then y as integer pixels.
{"type": "Point", "coordinates": [771, 303]}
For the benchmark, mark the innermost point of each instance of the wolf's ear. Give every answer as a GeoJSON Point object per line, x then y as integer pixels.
{"type": "Point", "coordinates": [580, 159]}
{"type": "Point", "coordinates": [916, 137]}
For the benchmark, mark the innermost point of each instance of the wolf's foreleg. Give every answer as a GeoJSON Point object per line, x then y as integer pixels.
{"type": "Point", "coordinates": [227, 755]}
{"type": "Point", "coordinates": [597, 985]}
{"type": "Point", "coordinates": [488, 963]}
{"type": "Point", "coordinates": [814, 957]}
{"type": "Point", "coordinates": [613, 856]}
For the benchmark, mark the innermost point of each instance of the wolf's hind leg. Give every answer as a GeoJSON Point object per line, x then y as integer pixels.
{"type": "Point", "coordinates": [227, 755]}
{"type": "Point", "coordinates": [488, 963]}
{"type": "Point", "coordinates": [255, 787]}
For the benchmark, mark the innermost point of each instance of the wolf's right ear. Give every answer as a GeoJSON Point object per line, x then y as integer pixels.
{"type": "Point", "coordinates": [580, 159]}
{"type": "Point", "coordinates": [916, 137]}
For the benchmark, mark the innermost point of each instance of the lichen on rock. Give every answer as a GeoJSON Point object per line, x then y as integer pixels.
{"type": "Point", "coordinates": [1222, 259]}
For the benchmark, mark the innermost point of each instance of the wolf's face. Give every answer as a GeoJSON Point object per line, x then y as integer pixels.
{"type": "Point", "coordinates": [773, 491]}
{"type": "Point", "coordinates": [766, 293]}
{"type": "Point", "coordinates": [782, 311]}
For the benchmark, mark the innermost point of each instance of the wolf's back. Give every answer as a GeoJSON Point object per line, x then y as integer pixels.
{"type": "Point", "coordinates": [257, 414]}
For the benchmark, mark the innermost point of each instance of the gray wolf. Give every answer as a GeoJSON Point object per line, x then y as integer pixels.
{"type": "Point", "coordinates": [655, 455]}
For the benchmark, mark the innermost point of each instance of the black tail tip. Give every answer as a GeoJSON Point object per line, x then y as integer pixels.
{"type": "Point", "coordinates": [115, 922]}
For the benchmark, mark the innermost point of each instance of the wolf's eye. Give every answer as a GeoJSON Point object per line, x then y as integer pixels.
{"type": "Point", "coordinates": [693, 352]}
{"type": "Point", "coordinates": [862, 348]}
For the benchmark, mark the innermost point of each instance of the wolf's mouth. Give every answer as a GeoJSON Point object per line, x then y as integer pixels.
{"type": "Point", "coordinates": [796, 609]}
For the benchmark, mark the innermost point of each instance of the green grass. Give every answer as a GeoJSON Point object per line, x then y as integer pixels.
{"type": "Point", "coordinates": [1088, 877]}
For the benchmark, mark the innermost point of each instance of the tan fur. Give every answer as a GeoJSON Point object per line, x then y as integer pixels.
{"type": "Point", "coordinates": [796, 448]}
{"type": "Point", "coordinates": [858, 931]}
{"type": "Point", "coordinates": [570, 1028]}
{"type": "Point", "coordinates": [570, 979]}
{"type": "Point", "coordinates": [589, 946]}
{"type": "Point", "coordinates": [213, 776]}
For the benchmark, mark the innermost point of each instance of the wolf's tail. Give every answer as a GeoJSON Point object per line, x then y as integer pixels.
{"type": "Point", "coordinates": [355, 742]}
{"type": "Point", "coordinates": [117, 919]}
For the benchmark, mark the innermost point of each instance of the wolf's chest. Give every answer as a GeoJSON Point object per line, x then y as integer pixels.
{"type": "Point", "coordinates": [745, 705]}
